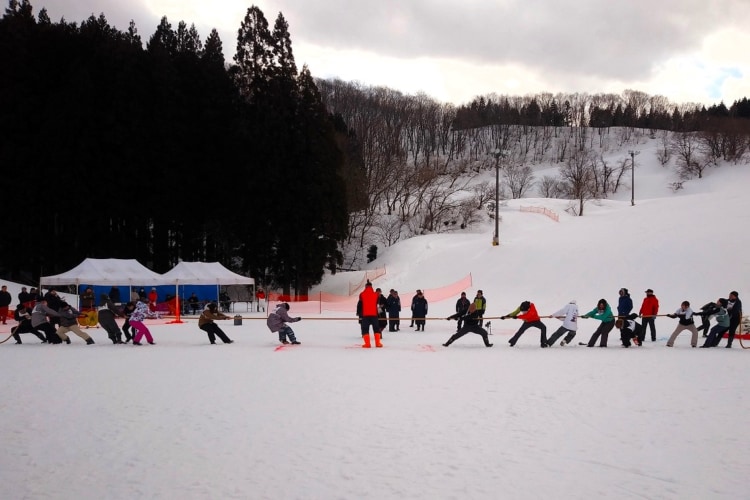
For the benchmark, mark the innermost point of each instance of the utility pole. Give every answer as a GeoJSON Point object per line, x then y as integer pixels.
{"type": "Point", "coordinates": [497, 153]}
{"type": "Point", "coordinates": [632, 176]}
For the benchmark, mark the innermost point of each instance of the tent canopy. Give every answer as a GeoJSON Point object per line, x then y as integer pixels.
{"type": "Point", "coordinates": [202, 278]}
{"type": "Point", "coordinates": [106, 272]}
{"type": "Point", "coordinates": [204, 273]}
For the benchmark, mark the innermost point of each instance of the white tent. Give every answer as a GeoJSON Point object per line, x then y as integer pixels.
{"type": "Point", "coordinates": [203, 273]}
{"type": "Point", "coordinates": [106, 272]}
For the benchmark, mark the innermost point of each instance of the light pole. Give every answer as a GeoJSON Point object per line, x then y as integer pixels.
{"type": "Point", "coordinates": [632, 176]}
{"type": "Point", "coordinates": [497, 153]}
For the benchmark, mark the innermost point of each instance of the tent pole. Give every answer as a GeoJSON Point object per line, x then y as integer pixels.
{"type": "Point", "coordinates": [177, 303]}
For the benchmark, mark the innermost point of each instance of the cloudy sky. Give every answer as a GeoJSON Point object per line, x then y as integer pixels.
{"type": "Point", "coordinates": [686, 50]}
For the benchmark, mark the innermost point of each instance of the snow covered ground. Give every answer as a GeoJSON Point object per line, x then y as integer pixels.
{"type": "Point", "coordinates": [327, 419]}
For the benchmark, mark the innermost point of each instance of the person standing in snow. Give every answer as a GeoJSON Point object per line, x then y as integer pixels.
{"type": "Point", "coordinates": [5, 299]}
{"type": "Point", "coordinates": [277, 322]}
{"type": "Point", "coordinates": [734, 308]}
{"type": "Point", "coordinates": [527, 312]}
{"type": "Point", "coordinates": [649, 310]}
{"type": "Point", "coordinates": [462, 309]}
{"type": "Point", "coordinates": [472, 324]}
{"type": "Point", "coordinates": [139, 314]}
{"type": "Point", "coordinates": [393, 304]}
{"type": "Point", "coordinates": [603, 313]}
{"type": "Point", "coordinates": [367, 310]}
{"type": "Point", "coordinates": [685, 315]}
{"type": "Point", "coordinates": [413, 299]}
{"type": "Point", "coordinates": [624, 303]}
{"type": "Point", "coordinates": [260, 297]}
{"type": "Point", "coordinates": [481, 303]}
{"type": "Point", "coordinates": [153, 298]}
{"type": "Point", "coordinates": [419, 310]}
{"type": "Point", "coordinates": [382, 306]}
{"type": "Point", "coordinates": [569, 316]}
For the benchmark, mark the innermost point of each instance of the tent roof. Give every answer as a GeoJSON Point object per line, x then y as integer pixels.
{"type": "Point", "coordinates": [205, 273]}
{"type": "Point", "coordinates": [107, 272]}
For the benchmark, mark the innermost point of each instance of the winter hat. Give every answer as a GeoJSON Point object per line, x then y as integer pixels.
{"type": "Point", "coordinates": [624, 291]}
{"type": "Point", "coordinates": [368, 284]}
{"type": "Point", "coordinates": [649, 291]}
{"type": "Point", "coordinates": [525, 305]}
{"type": "Point", "coordinates": [286, 305]}
{"type": "Point", "coordinates": [619, 322]}
{"type": "Point", "coordinates": [734, 293]}
{"type": "Point", "coordinates": [723, 302]}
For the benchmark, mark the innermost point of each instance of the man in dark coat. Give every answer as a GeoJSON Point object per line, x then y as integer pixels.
{"type": "Point", "coordinates": [462, 308]}
{"type": "Point", "coordinates": [734, 307]}
{"type": "Point", "coordinates": [393, 306]}
{"type": "Point", "coordinates": [419, 310]}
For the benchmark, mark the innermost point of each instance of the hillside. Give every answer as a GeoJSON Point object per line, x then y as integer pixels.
{"type": "Point", "coordinates": [685, 244]}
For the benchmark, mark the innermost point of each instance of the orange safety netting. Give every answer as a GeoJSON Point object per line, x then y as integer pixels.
{"type": "Point", "coordinates": [318, 303]}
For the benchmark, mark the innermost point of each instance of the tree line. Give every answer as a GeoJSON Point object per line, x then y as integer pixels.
{"type": "Point", "coordinates": [165, 152]}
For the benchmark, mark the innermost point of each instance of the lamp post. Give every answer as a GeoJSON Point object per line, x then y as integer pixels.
{"type": "Point", "coordinates": [497, 153]}
{"type": "Point", "coordinates": [632, 176]}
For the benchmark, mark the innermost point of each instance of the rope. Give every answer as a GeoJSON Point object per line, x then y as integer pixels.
{"type": "Point", "coordinates": [7, 339]}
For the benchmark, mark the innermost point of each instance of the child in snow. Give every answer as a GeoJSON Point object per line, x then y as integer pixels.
{"type": "Point", "coordinates": [277, 322]}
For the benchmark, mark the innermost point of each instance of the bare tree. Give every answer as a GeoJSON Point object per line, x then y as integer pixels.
{"type": "Point", "coordinates": [551, 187]}
{"type": "Point", "coordinates": [483, 192]}
{"type": "Point", "coordinates": [664, 153]}
{"type": "Point", "coordinates": [580, 176]}
{"type": "Point", "coordinates": [690, 162]}
{"type": "Point", "coordinates": [518, 178]}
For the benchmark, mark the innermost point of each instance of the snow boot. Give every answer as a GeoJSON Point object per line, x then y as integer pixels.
{"type": "Point", "coordinates": [89, 341]}
{"type": "Point", "coordinates": [366, 339]}
{"type": "Point", "coordinates": [378, 336]}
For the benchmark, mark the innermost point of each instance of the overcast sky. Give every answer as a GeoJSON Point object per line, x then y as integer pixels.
{"type": "Point", "coordinates": [685, 50]}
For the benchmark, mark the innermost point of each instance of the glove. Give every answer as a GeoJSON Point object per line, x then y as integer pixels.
{"type": "Point", "coordinates": [671, 316]}
{"type": "Point", "coordinates": [503, 317]}
{"type": "Point", "coordinates": [299, 318]}
{"type": "Point", "coordinates": [585, 316]}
